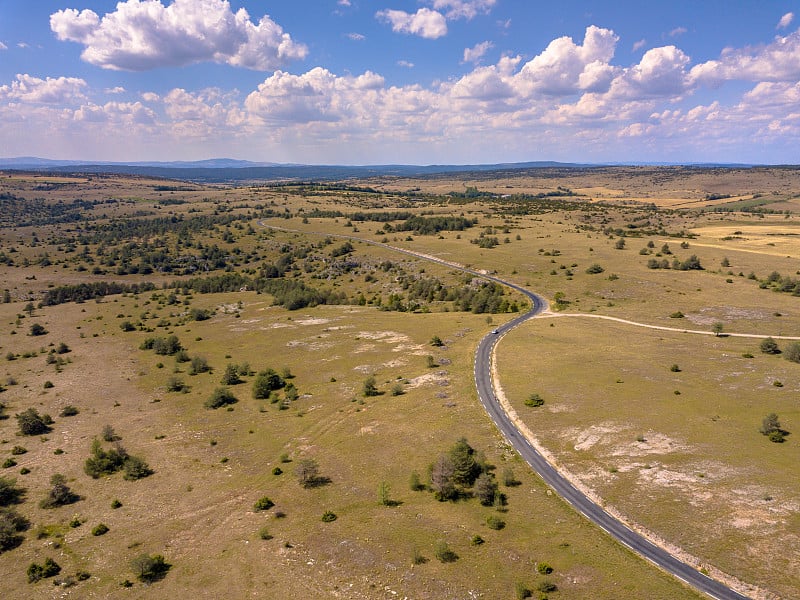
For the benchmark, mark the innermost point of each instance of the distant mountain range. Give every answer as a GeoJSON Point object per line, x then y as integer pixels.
{"type": "Point", "coordinates": [229, 170]}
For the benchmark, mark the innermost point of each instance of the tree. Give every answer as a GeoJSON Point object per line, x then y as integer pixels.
{"type": "Point", "coordinates": [792, 352]}
{"type": "Point", "coordinates": [444, 553]}
{"type": "Point", "coordinates": [620, 245]}
{"type": "Point", "coordinates": [442, 479]}
{"type": "Point", "coordinates": [436, 341]}
{"type": "Point", "coordinates": [32, 423]}
{"type": "Point", "coordinates": [11, 525]}
{"type": "Point", "coordinates": [220, 397]}
{"type": "Point", "coordinates": [485, 489]}
{"type": "Point", "coordinates": [10, 493]}
{"type": "Point", "coordinates": [135, 468]}
{"type": "Point", "coordinates": [465, 467]}
{"type": "Point", "coordinates": [109, 435]}
{"type": "Point", "coordinates": [199, 364]}
{"type": "Point", "coordinates": [594, 269]}
{"type": "Point", "coordinates": [370, 387]}
{"type": "Point", "coordinates": [534, 400]}
{"type": "Point", "coordinates": [769, 346]}
{"type": "Point", "coordinates": [307, 472]}
{"type": "Point", "coordinates": [383, 493]}
{"type": "Point", "coordinates": [149, 569]}
{"type": "Point", "coordinates": [60, 494]}
{"type": "Point", "coordinates": [231, 375]}
{"type": "Point", "coordinates": [771, 427]}
{"type": "Point", "coordinates": [265, 383]}
{"type": "Point", "coordinates": [28, 308]}
{"type": "Point", "coordinates": [717, 328]}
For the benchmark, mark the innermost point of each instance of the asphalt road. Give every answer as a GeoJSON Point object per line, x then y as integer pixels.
{"type": "Point", "coordinates": [577, 499]}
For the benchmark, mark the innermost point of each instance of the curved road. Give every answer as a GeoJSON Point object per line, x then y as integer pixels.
{"type": "Point", "coordinates": [577, 499]}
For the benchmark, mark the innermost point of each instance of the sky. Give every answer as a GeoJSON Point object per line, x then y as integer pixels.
{"type": "Point", "coordinates": [361, 82]}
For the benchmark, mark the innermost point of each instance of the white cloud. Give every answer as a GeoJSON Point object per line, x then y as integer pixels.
{"type": "Point", "coordinates": [785, 21]}
{"type": "Point", "coordinates": [356, 37]}
{"type": "Point", "coordinates": [425, 23]}
{"type": "Point", "coordinates": [778, 61]}
{"type": "Point", "coordinates": [661, 72]}
{"type": "Point", "coordinates": [639, 45]}
{"type": "Point", "coordinates": [144, 34]}
{"type": "Point", "coordinates": [405, 63]}
{"type": "Point", "coordinates": [477, 52]}
{"type": "Point", "coordinates": [565, 67]}
{"type": "Point", "coordinates": [343, 3]}
{"type": "Point", "coordinates": [463, 9]}
{"type": "Point", "coordinates": [115, 90]}
{"type": "Point", "coordinates": [3, 46]}
{"type": "Point", "coordinates": [677, 31]}
{"type": "Point", "coordinates": [58, 91]}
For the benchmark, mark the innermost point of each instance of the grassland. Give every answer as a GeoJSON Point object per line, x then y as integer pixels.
{"type": "Point", "coordinates": [692, 468]}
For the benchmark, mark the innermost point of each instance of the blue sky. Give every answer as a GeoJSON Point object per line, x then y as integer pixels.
{"type": "Point", "coordinates": [401, 81]}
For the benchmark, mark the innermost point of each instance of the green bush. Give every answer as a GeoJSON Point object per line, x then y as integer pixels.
{"type": "Point", "coordinates": [328, 516]}
{"type": "Point", "coordinates": [495, 522]}
{"type": "Point", "coordinates": [68, 411]}
{"type": "Point", "coordinates": [36, 571]}
{"type": "Point", "coordinates": [100, 529]}
{"type": "Point", "coordinates": [534, 400]}
{"type": "Point", "coordinates": [221, 397]}
{"type": "Point", "coordinates": [263, 504]}
{"type": "Point", "coordinates": [544, 568]}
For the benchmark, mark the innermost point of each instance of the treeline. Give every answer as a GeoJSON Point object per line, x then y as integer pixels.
{"type": "Point", "coordinates": [20, 212]}
{"type": "Point", "coordinates": [433, 225]}
{"type": "Point", "coordinates": [87, 291]}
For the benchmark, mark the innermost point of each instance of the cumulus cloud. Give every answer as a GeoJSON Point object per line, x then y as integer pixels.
{"type": "Point", "coordinates": [463, 9]}
{"type": "Point", "coordinates": [778, 61]}
{"type": "Point", "coordinates": [58, 90]}
{"type": "Point", "coordinates": [661, 72]}
{"type": "Point", "coordinates": [115, 90]}
{"type": "Point", "coordinates": [144, 34]}
{"type": "Point", "coordinates": [565, 67]}
{"type": "Point", "coordinates": [785, 21]}
{"type": "Point", "coordinates": [425, 23]}
{"type": "Point", "coordinates": [477, 52]}
{"type": "Point", "coordinates": [317, 95]}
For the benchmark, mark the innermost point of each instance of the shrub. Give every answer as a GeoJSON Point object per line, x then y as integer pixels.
{"type": "Point", "coordinates": [594, 269]}
{"type": "Point", "coordinates": [328, 516]}
{"type": "Point", "coordinates": [495, 522]}
{"type": "Point", "coordinates": [8, 463]}
{"type": "Point", "coordinates": [544, 568]}
{"type": "Point", "coordinates": [534, 400]}
{"type": "Point", "coordinates": [18, 450]}
{"type": "Point", "coordinates": [37, 329]}
{"type": "Point", "coordinates": [36, 571]}
{"type": "Point", "coordinates": [175, 384]}
{"type": "Point", "coordinates": [32, 423]}
{"type": "Point", "coordinates": [444, 553]}
{"type": "Point", "coordinates": [198, 365]}
{"type": "Point", "coordinates": [220, 397]}
{"type": "Point", "coordinates": [792, 352]}
{"type": "Point", "coordinates": [546, 586]}
{"type": "Point", "coordinates": [522, 591]}
{"type": "Point", "coordinates": [476, 540]}
{"type": "Point", "coordinates": [135, 468]}
{"type": "Point", "coordinates": [115, 504]}
{"type": "Point", "coordinates": [677, 315]}
{"type": "Point", "coordinates": [769, 346]}
{"type": "Point", "coordinates": [100, 529]}
{"type": "Point", "coordinates": [264, 534]}
{"type": "Point", "coordinates": [68, 411]}
{"type": "Point", "coordinates": [277, 471]}
{"type": "Point", "coordinates": [149, 569]}
{"type": "Point", "coordinates": [675, 369]}
{"type": "Point", "coordinates": [263, 504]}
